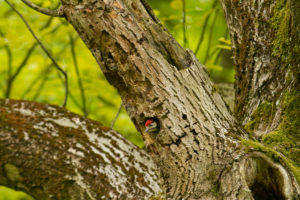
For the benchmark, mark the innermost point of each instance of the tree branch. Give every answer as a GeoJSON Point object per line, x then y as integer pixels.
{"type": "Point", "coordinates": [11, 79]}
{"type": "Point", "coordinates": [46, 11]}
{"type": "Point", "coordinates": [204, 28]}
{"type": "Point", "coordinates": [47, 151]}
{"type": "Point", "coordinates": [117, 114]}
{"type": "Point", "coordinates": [42, 73]}
{"type": "Point", "coordinates": [80, 84]}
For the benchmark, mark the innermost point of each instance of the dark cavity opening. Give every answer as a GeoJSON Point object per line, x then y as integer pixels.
{"type": "Point", "coordinates": [264, 180]}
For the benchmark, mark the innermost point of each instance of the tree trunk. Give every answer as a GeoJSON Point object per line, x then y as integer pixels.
{"type": "Point", "coordinates": [265, 43]}
{"type": "Point", "coordinates": [201, 150]}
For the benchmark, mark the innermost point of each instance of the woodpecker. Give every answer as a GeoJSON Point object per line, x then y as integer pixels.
{"type": "Point", "coordinates": [152, 126]}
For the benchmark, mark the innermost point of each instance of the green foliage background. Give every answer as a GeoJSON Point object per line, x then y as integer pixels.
{"type": "Point", "coordinates": [40, 81]}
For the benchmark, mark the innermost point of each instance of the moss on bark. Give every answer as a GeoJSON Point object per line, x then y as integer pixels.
{"type": "Point", "coordinates": [280, 23]}
{"type": "Point", "coordinates": [262, 113]}
{"type": "Point", "coordinates": [282, 143]}
{"type": "Point", "coordinates": [274, 155]}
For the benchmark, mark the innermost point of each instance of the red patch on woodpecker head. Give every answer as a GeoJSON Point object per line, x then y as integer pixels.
{"type": "Point", "coordinates": [148, 122]}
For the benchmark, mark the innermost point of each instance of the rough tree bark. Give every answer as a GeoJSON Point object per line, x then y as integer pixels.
{"type": "Point", "coordinates": [265, 42]}
{"type": "Point", "coordinates": [51, 153]}
{"type": "Point", "coordinates": [201, 150]}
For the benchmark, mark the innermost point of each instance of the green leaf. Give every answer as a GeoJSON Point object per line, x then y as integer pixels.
{"type": "Point", "coordinates": [222, 39]}
{"type": "Point", "coordinates": [224, 47]}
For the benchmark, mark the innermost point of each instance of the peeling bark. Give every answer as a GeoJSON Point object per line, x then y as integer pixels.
{"type": "Point", "coordinates": [51, 153]}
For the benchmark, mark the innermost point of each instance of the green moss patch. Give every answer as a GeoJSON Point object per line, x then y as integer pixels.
{"type": "Point", "coordinates": [284, 142]}
{"type": "Point", "coordinates": [280, 22]}
{"type": "Point", "coordinates": [12, 172]}
{"type": "Point", "coordinates": [291, 115]}
{"type": "Point", "coordinates": [261, 114]}
{"type": "Point", "coordinates": [285, 42]}
{"type": "Point", "coordinates": [216, 189]}
{"type": "Point", "coordinates": [157, 197]}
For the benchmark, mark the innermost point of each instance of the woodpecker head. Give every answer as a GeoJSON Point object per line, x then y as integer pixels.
{"type": "Point", "coordinates": [152, 126]}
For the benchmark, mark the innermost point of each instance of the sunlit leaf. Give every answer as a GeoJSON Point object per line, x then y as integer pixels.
{"type": "Point", "coordinates": [222, 39]}
{"type": "Point", "coordinates": [224, 47]}
{"type": "Point", "coordinates": [214, 67]}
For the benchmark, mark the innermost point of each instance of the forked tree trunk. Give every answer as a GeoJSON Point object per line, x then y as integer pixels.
{"type": "Point", "coordinates": [198, 149]}
{"type": "Point", "coordinates": [201, 150]}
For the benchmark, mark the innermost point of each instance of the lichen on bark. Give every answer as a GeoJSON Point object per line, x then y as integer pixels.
{"type": "Point", "coordinates": [51, 153]}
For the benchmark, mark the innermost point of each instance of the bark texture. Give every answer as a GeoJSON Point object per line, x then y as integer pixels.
{"type": "Point", "coordinates": [266, 48]}
{"type": "Point", "coordinates": [51, 153]}
{"type": "Point", "coordinates": [198, 149]}
{"type": "Point", "coordinates": [266, 45]}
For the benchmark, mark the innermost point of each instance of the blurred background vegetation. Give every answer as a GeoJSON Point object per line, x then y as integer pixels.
{"type": "Point", "coordinates": [27, 73]}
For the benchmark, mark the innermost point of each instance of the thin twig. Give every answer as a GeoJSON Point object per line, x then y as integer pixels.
{"type": "Point", "coordinates": [45, 50]}
{"type": "Point", "coordinates": [184, 23]}
{"type": "Point", "coordinates": [70, 93]}
{"type": "Point", "coordinates": [44, 79]}
{"type": "Point", "coordinates": [42, 75]}
{"type": "Point", "coordinates": [201, 39]}
{"type": "Point", "coordinates": [9, 70]}
{"type": "Point", "coordinates": [35, 81]}
{"type": "Point", "coordinates": [47, 24]}
{"type": "Point", "coordinates": [210, 37]}
{"type": "Point", "coordinates": [218, 57]}
{"type": "Point", "coordinates": [74, 100]}
{"type": "Point", "coordinates": [12, 78]}
{"type": "Point", "coordinates": [26, 58]}
{"type": "Point", "coordinates": [80, 84]}
{"type": "Point", "coordinates": [115, 119]}
{"type": "Point", "coordinates": [46, 11]}
{"type": "Point", "coordinates": [40, 87]}
{"type": "Point", "coordinates": [105, 101]}
{"type": "Point", "coordinates": [9, 60]}
{"type": "Point", "coordinates": [202, 34]}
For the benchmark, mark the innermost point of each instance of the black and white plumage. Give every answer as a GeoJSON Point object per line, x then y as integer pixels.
{"type": "Point", "coordinates": [152, 126]}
